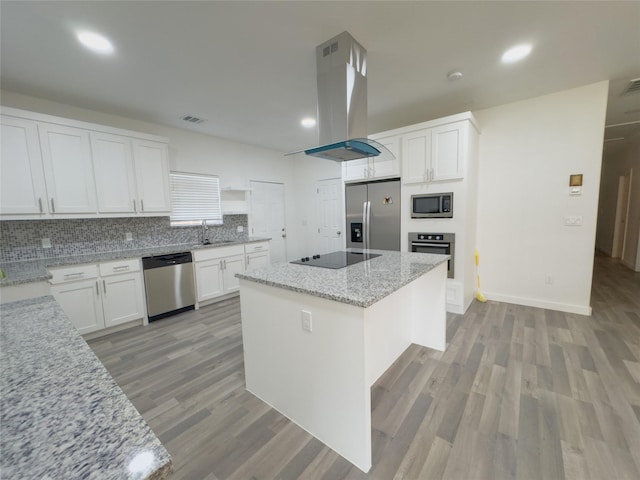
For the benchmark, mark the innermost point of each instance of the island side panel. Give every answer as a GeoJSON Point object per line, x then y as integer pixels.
{"type": "Point", "coordinates": [429, 305]}
{"type": "Point", "coordinates": [416, 313]}
{"type": "Point", "coordinates": [316, 379]}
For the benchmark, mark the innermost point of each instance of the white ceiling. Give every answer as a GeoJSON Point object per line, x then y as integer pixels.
{"type": "Point", "coordinates": [248, 68]}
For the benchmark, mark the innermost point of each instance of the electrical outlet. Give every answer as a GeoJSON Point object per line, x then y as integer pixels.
{"type": "Point", "coordinates": [240, 229]}
{"type": "Point", "coordinates": [573, 220]}
{"type": "Point", "coordinates": [307, 325]}
{"type": "Point", "coordinates": [46, 243]}
{"type": "Point", "coordinates": [128, 236]}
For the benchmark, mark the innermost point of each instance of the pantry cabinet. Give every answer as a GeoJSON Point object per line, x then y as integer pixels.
{"type": "Point", "coordinates": [99, 296]}
{"type": "Point", "coordinates": [22, 186]}
{"type": "Point", "coordinates": [59, 168]}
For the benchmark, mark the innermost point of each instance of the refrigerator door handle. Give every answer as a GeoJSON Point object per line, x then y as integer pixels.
{"type": "Point", "coordinates": [364, 224]}
{"type": "Point", "coordinates": [368, 225]}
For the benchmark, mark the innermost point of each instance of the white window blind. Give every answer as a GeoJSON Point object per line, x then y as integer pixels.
{"type": "Point", "coordinates": [195, 198]}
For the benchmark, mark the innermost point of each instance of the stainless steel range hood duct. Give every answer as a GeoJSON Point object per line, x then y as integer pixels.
{"type": "Point", "coordinates": [342, 102]}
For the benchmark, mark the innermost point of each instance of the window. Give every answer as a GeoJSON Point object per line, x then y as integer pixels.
{"type": "Point", "coordinates": [195, 198]}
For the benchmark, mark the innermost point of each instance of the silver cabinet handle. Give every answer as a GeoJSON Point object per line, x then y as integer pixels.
{"type": "Point", "coordinates": [40, 203]}
{"type": "Point", "coordinates": [121, 267]}
{"type": "Point", "coordinates": [53, 206]}
{"type": "Point", "coordinates": [431, 176]}
{"type": "Point", "coordinates": [141, 205]}
{"type": "Point", "coordinates": [260, 247]}
{"type": "Point", "coordinates": [221, 265]}
{"type": "Point", "coordinates": [104, 286]}
{"type": "Point", "coordinates": [248, 259]}
{"type": "Point", "coordinates": [134, 206]}
{"type": "Point", "coordinates": [73, 275]}
{"type": "Point", "coordinates": [97, 288]}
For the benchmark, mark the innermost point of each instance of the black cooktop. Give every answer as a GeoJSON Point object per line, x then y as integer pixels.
{"type": "Point", "coordinates": [336, 260]}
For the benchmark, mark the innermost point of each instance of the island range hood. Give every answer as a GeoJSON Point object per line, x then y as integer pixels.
{"type": "Point", "coordinates": [342, 102]}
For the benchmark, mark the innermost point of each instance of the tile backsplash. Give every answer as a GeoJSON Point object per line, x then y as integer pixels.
{"type": "Point", "coordinates": [22, 239]}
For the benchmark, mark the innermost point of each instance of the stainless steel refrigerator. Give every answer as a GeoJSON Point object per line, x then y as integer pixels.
{"type": "Point", "coordinates": [373, 215]}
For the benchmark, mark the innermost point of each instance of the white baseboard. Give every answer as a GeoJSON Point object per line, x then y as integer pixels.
{"type": "Point", "coordinates": [532, 302]}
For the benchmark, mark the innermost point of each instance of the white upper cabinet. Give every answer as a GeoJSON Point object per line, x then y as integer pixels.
{"type": "Point", "coordinates": [416, 163]}
{"type": "Point", "coordinates": [55, 167]}
{"type": "Point", "coordinates": [66, 156]}
{"type": "Point", "coordinates": [151, 162]}
{"type": "Point", "coordinates": [374, 168]}
{"type": "Point", "coordinates": [434, 154]}
{"type": "Point", "coordinates": [114, 176]}
{"type": "Point", "coordinates": [22, 187]}
{"type": "Point", "coordinates": [447, 151]}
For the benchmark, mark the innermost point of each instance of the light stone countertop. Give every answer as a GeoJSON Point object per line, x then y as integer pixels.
{"type": "Point", "coordinates": [63, 415]}
{"type": "Point", "coordinates": [28, 271]}
{"type": "Point", "coordinates": [362, 284]}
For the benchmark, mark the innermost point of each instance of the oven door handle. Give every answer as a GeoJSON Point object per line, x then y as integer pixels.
{"type": "Point", "coordinates": [437, 245]}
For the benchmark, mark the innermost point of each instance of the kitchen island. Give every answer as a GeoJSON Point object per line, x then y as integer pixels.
{"type": "Point", "coordinates": [316, 339]}
{"type": "Point", "coordinates": [62, 414]}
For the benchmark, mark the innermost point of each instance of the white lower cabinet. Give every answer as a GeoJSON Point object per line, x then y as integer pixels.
{"type": "Point", "coordinates": [215, 270]}
{"type": "Point", "coordinates": [257, 255]}
{"type": "Point", "coordinates": [96, 297]}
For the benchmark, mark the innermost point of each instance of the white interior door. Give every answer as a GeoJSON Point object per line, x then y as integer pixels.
{"type": "Point", "coordinates": [329, 208]}
{"type": "Point", "coordinates": [621, 216]}
{"type": "Point", "coordinates": [268, 217]}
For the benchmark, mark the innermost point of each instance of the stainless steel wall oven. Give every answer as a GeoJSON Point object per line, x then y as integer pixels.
{"type": "Point", "coordinates": [442, 243]}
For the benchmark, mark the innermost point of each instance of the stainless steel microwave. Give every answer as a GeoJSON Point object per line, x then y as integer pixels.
{"type": "Point", "coordinates": [434, 205]}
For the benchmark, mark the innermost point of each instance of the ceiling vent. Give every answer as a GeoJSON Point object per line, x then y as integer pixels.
{"type": "Point", "coordinates": [192, 119]}
{"type": "Point", "coordinates": [633, 87]}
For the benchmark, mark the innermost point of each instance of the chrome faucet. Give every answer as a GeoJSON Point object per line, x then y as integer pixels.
{"type": "Point", "coordinates": [205, 230]}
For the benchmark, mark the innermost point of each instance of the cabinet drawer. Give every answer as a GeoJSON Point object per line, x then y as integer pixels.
{"type": "Point", "coordinates": [73, 273]}
{"type": "Point", "coordinates": [217, 252]}
{"type": "Point", "coordinates": [119, 266]}
{"type": "Point", "coordinates": [256, 247]}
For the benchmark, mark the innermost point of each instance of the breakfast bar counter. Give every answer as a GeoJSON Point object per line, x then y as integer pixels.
{"type": "Point", "coordinates": [316, 339]}
{"type": "Point", "coordinates": [62, 414]}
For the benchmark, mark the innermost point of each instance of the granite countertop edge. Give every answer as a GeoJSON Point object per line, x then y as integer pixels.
{"type": "Point", "coordinates": [63, 414]}
{"type": "Point", "coordinates": [373, 294]}
{"type": "Point", "coordinates": [35, 270]}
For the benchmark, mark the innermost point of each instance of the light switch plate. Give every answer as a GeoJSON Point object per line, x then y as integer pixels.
{"type": "Point", "coordinates": [128, 236]}
{"type": "Point", "coordinates": [46, 243]}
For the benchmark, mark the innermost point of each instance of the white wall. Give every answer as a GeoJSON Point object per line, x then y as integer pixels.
{"type": "Point", "coordinates": [189, 151]}
{"type": "Point", "coordinates": [614, 165]}
{"type": "Point", "coordinates": [528, 149]}
{"type": "Point", "coordinates": [307, 171]}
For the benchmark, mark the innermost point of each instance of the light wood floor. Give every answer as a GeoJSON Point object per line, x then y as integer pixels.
{"type": "Point", "coordinates": [520, 393]}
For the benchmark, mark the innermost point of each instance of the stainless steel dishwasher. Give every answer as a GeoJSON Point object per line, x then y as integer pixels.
{"type": "Point", "coordinates": [168, 282]}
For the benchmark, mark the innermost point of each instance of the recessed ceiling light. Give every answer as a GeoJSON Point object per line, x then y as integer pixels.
{"type": "Point", "coordinates": [455, 75]}
{"type": "Point", "coordinates": [516, 53]}
{"type": "Point", "coordinates": [308, 122]}
{"type": "Point", "coordinates": [95, 42]}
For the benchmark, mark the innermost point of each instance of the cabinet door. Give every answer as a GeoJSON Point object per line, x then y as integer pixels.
{"type": "Point", "coordinates": [113, 168]}
{"type": "Point", "coordinates": [447, 143]}
{"type": "Point", "coordinates": [354, 170]}
{"type": "Point", "coordinates": [151, 162]}
{"type": "Point", "coordinates": [122, 298]}
{"type": "Point", "coordinates": [387, 167]}
{"type": "Point", "coordinates": [232, 265]}
{"type": "Point", "coordinates": [68, 170]}
{"type": "Point", "coordinates": [209, 281]}
{"type": "Point", "coordinates": [416, 156]}
{"type": "Point", "coordinates": [81, 303]}
{"type": "Point", "coordinates": [22, 189]}
{"type": "Point", "coordinates": [257, 260]}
